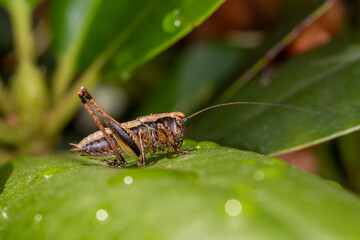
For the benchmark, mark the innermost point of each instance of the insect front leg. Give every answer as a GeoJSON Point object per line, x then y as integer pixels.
{"type": "Point", "coordinates": [166, 138]}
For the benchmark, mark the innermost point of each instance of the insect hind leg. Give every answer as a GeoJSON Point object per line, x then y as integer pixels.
{"type": "Point", "coordinates": [85, 98]}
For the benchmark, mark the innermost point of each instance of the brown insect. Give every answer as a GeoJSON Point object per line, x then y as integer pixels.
{"type": "Point", "coordinates": [151, 133]}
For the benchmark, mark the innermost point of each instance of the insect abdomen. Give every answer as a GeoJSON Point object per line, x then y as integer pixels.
{"type": "Point", "coordinates": [96, 145]}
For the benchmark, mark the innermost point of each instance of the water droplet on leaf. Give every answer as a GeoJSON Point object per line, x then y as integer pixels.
{"type": "Point", "coordinates": [206, 144]}
{"type": "Point", "coordinates": [128, 180]}
{"type": "Point", "coordinates": [48, 173]}
{"type": "Point", "coordinates": [259, 175]}
{"type": "Point", "coordinates": [4, 215]}
{"type": "Point", "coordinates": [233, 207]}
{"type": "Point", "coordinates": [101, 215]}
{"type": "Point", "coordinates": [38, 217]}
{"type": "Point", "coordinates": [172, 21]}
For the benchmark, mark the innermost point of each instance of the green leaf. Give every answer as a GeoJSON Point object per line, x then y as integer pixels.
{"type": "Point", "coordinates": [166, 24]}
{"type": "Point", "coordinates": [213, 192]}
{"type": "Point", "coordinates": [324, 80]}
{"type": "Point", "coordinates": [134, 30]}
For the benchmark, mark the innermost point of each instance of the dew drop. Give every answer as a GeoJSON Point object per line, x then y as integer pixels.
{"type": "Point", "coordinates": [4, 215]}
{"type": "Point", "coordinates": [172, 21]}
{"type": "Point", "coordinates": [48, 173]}
{"type": "Point", "coordinates": [259, 175]}
{"type": "Point", "coordinates": [38, 217]}
{"type": "Point", "coordinates": [206, 144]}
{"type": "Point", "coordinates": [101, 215]}
{"type": "Point", "coordinates": [233, 207]}
{"type": "Point", "coordinates": [177, 23]}
{"type": "Point", "coordinates": [128, 180]}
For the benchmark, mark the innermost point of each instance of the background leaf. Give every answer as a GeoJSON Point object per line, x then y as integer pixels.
{"type": "Point", "coordinates": [87, 34]}
{"type": "Point", "coordinates": [200, 69]}
{"type": "Point", "coordinates": [324, 80]}
{"type": "Point", "coordinates": [188, 196]}
{"type": "Point", "coordinates": [294, 17]}
{"type": "Point", "coordinates": [206, 68]}
{"type": "Point", "coordinates": [138, 29]}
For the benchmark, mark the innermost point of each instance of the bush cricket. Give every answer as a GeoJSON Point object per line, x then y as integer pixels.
{"type": "Point", "coordinates": [151, 133]}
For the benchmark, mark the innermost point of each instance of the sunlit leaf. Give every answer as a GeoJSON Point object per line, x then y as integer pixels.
{"type": "Point", "coordinates": [213, 192]}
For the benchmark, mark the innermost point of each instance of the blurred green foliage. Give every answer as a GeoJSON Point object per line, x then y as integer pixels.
{"type": "Point", "coordinates": [88, 36]}
{"type": "Point", "coordinates": [51, 48]}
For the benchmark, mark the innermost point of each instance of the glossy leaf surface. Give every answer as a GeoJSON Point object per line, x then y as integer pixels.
{"type": "Point", "coordinates": [213, 192]}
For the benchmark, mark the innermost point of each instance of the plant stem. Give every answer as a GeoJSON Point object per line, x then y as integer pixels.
{"type": "Point", "coordinates": [28, 93]}
{"type": "Point", "coordinates": [20, 13]}
{"type": "Point", "coordinates": [63, 74]}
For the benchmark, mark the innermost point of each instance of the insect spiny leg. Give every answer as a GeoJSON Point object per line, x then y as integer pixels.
{"type": "Point", "coordinates": [85, 97]}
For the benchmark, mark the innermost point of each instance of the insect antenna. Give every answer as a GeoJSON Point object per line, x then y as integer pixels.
{"type": "Point", "coordinates": [252, 103]}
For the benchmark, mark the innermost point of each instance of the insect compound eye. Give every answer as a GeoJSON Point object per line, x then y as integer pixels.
{"type": "Point", "coordinates": [179, 122]}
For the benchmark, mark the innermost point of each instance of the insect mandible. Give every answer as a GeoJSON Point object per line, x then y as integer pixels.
{"type": "Point", "coordinates": [151, 133]}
